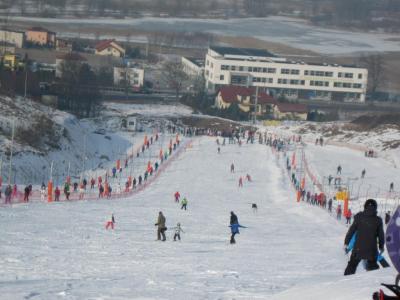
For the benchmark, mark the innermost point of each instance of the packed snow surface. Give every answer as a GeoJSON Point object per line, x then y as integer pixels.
{"type": "Point", "coordinates": [62, 250]}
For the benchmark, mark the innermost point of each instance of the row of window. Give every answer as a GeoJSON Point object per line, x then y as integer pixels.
{"type": "Point", "coordinates": [262, 79]}
{"type": "Point", "coordinates": [291, 81]}
{"type": "Point", "coordinates": [287, 71]}
{"type": "Point", "coordinates": [347, 85]}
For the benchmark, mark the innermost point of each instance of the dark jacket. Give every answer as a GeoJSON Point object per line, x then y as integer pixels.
{"type": "Point", "coordinates": [369, 228]}
{"type": "Point", "coordinates": [234, 219]}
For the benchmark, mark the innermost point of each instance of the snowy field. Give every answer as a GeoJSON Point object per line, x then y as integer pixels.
{"type": "Point", "coordinates": [289, 250]}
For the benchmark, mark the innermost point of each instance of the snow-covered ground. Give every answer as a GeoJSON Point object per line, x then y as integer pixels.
{"type": "Point", "coordinates": [288, 250]}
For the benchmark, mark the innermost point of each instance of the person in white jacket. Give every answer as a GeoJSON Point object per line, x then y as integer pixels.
{"type": "Point", "coordinates": [178, 231]}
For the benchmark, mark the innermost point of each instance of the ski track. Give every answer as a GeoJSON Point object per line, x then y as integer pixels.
{"type": "Point", "coordinates": [62, 251]}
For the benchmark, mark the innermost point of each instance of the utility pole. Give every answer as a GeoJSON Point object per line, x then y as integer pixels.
{"type": "Point", "coordinates": [26, 82]}
{"type": "Point", "coordinates": [11, 151]}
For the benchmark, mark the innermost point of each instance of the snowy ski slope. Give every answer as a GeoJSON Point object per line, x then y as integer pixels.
{"type": "Point", "coordinates": [289, 251]}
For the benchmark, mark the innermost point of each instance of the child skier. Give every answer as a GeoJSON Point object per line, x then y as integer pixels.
{"type": "Point", "coordinates": [178, 231]}
{"type": "Point", "coordinates": [240, 182]}
{"type": "Point", "coordinates": [177, 196]}
{"type": "Point", "coordinates": [184, 203]}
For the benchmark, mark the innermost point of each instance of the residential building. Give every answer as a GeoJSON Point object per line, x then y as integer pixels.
{"type": "Point", "coordinates": [41, 36]}
{"type": "Point", "coordinates": [290, 111]}
{"type": "Point", "coordinates": [193, 67]}
{"type": "Point", "coordinates": [63, 45]}
{"type": "Point", "coordinates": [245, 98]}
{"type": "Point", "coordinates": [281, 77]}
{"type": "Point", "coordinates": [129, 77]}
{"type": "Point", "coordinates": [73, 58]}
{"type": "Point", "coordinates": [12, 37]}
{"type": "Point", "coordinates": [109, 48]}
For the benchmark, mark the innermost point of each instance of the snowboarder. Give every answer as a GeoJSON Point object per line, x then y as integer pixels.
{"type": "Point", "coordinates": [363, 174]}
{"type": "Point", "coordinates": [161, 227]}
{"type": "Point", "coordinates": [178, 231]}
{"type": "Point", "coordinates": [369, 228]}
{"type": "Point", "coordinates": [111, 222]}
{"type": "Point", "coordinates": [232, 168]}
{"type": "Point", "coordinates": [184, 203]}
{"type": "Point", "coordinates": [177, 196]}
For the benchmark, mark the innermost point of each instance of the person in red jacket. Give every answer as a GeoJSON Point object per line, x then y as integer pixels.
{"type": "Point", "coordinates": [177, 196]}
{"type": "Point", "coordinates": [57, 194]}
{"type": "Point", "coordinates": [348, 216]}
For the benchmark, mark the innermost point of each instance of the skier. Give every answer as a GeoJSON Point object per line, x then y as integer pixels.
{"type": "Point", "coordinates": [339, 170]}
{"type": "Point", "coordinates": [363, 174]}
{"type": "Point", "coordinates": [330, 205]}
{"type": "Point", "coordinates": [184, 203]}
{"type": "Point", "coordinates": [101, 190]}
{"type": "Point", "coordinates": [232, 168]}
{"type": "Point", "coordinates": [178, 231]}
{"type": "Point", "coordinates": [339, 212]}
{"type": "Point", "coordinates": [92, 183]}
{"type": "Point", "coordinates": [111, 222]}
{"type": "Point", "coordinates": [57, 194]}
{"type": "Point", "coordinates": [391, 187]}
{"type": "Point", "coordinates": [8, 193]}
{"type": "Point", "coordinates": [177, 196]}
{"type": "Point", "coordinates": [140, 179]}
{"type": "Point", "coordinates": [248, 178]}
{"type": "Point", "coordinates": [67, 190]}
{"type": "Point", "coordinates": [81, 191]}
{"type": "Point", "coordinates": [43, 192]}
{"type": "Point", "coordinates": [348, 217]}
{"type": "Point", "coordinates": [234, 225]}
{"type": "Point", "coordinates": [134, 183]}
{"type": "Point", "coordinates": [219, 150]}
{"type": "Point", "coordinates": [240, 181]}
{"type": "Point", "coordinates": [114, 171]}
{"type": "Point", "coordinates": [330, 177]}
{"type": "Point", "coordinates": [161, 227]}
{"type": "Point", "coordinates": [26, 194]}
{"type": "Point", "coordinates": [369, 228]}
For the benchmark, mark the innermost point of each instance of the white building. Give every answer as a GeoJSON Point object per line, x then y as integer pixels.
{"type": "Point", "coordinates": [193, 67]}
{"type": "Point", "coordinates": [133, 77]}
{"type": "Point", "coordinates": [15, 38]}
{"type": "Point", "coordinates": [253, 67]}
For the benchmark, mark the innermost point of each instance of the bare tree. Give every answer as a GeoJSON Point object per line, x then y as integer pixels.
{"type": "Point", "coordinates": [174, 76]}
{"type": "Point", "coordinates": [375, 65]}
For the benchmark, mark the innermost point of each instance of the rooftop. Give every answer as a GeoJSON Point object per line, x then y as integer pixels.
{"type": "Point", "coordinates": [197, 61]}
{"type": "Point", "coordinates": [291, 107]}
{"type": "Point", "coordinates": [242, 51]}
{"type": "Point", "coordinates": [230, 94]}
{"type": "Point", "coordinates": [105, 44]}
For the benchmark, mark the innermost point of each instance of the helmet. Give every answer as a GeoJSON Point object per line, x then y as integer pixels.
{"type": "Point", "coordinates": [371, 203]}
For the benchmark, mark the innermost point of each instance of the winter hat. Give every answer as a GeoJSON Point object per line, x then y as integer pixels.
{"type": "Point", "coordinates": [371, 203]}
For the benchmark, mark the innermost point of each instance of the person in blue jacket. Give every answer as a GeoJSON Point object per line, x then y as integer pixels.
{"type": "Point", "coordinates": [114, 171]}
{"type": "Point", "coordinates": [234, 225]}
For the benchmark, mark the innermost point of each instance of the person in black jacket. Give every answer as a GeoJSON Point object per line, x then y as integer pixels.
{"type": "Point", "coordinates": [369, 228]}
{"type": "Point", "coordinates": [234, 220]}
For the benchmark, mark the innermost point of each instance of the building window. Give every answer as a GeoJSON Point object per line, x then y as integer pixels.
{"type": "Point", "coordinates": [295, 72]}
{"type": "Point", "coordinates": [328, 74]}
{"type": "Point", "coordinates": [271, 70]}
{"type": "Point", "coordinates": [224, 67]}
{"type": "Point", "coordinates": [270, 80]}
{"type": "Point", "coordinates": [357, 85]}
{"type": "Point", "coordinates": [250, 69]}
{"type": "Point", "coordinates": [241, 69]}
{"type": "Point", "coordinates": [340, 74]}
{"type": "Point", "coordinates": [348, 75]}
{"type": "Point", "coordinates": [285, 71]}
{"type": "Point", "coordinates": [233, 68]}
{"type": "Point", "coordinates": [306, 72]}
{"type": "Point", "coordinates": [221, 77]}
{"type": "Point", "coordinates": [302, 82]}
{"type": "Point", "coordinates": [360, 76]}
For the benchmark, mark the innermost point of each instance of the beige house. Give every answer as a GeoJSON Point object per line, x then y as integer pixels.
{"type": "Point", "coordinates": [132, 77]}
{"type": "Point", "coordinates": [290, 111]}
{"type": "Point", "coordinates": [15, 38]}
{"type": "Point", "coordinates": [41, 36]}
{"type": "Point", "coordinates": [245, 98]}
{"type": "Point", "coordinates": [109, 48]}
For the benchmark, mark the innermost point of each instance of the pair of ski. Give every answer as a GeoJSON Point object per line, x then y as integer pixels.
{"type": "Point", "coordinates": [382, 296]}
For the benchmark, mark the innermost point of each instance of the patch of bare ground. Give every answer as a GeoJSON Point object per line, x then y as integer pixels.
{"type": "Point", "coordinates": [368, 122]}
